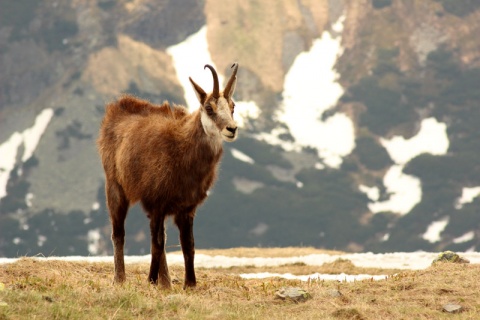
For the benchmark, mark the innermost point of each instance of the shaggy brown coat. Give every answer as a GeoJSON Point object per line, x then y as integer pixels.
{"type": "Point", "coordinates": [167, 159]}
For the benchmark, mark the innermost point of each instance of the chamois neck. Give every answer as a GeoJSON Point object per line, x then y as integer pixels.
{"type": "Point", "coordinates": [203, 136]}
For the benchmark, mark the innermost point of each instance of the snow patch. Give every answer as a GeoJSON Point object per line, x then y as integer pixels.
{"type": "Point", "coordinates": [310, 89]}
{"type": "Point", "coordinates": [465, 238]}
{"type": "Point", "coordinates": [468, 195]}
{"type": "Point", "coordinates": [245, 110]}
{"type": "Point", "coordinates": [187, 65]}
{"type": "Point", "coordinates": [28, 199]}
{"type": "Point", "coordinates": [245, 185]}
{"type": "Point", "coordinates": [94, 238]}
{"type": "Point", "coordinates": [29, 138]}
{"type": "Point", "coordinates": [274, 138]}
{"type": "Point", "coordinates": [95, 206]}
{"type": "Point", "coordinates": [260, 229]}
{"type": "Point", "coordinates": [432, 138]}
{"type": "Point", "coordinates": [434, 230]}
{"type": "Point", "coordinates": [372, 192]}
{"type": "Point", "coordinates": [237, 154]}
{"type": "Point", "coordinates": [342, 277]}
{"type": "Point", "coordinates": [405, 192]}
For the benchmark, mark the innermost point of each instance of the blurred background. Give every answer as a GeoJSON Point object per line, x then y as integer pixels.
{"type": "Point", "coordinates": [359, 120]}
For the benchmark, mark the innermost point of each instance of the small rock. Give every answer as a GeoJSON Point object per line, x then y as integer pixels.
{"type": "Point", "coordinates": [449, 256]}
{"type": "Point", "coordinates": [292, 293]}
{"type": "Point", "coordinates": [452, 308]}
{"type": "Point", "coordinates": [334, 293]}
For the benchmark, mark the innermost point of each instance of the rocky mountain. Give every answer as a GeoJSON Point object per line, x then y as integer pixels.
{"type": "Point", "coordinates": [359, 120]}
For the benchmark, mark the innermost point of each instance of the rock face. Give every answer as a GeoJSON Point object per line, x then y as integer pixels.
{"type": "Point", "coordinates": [400, 63]}
{"type": "Point", "coordinates": [452, 308]}
{"type": "Point", "coordinates": [293, 294]}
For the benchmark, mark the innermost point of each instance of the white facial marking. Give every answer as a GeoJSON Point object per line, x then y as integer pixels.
{"type": "Point", "coordinates": [209, 126]}
{"type": "Point", "coordinates": [224, 113]}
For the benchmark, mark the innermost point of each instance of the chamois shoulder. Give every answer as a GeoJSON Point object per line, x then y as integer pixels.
{"type": "Point", "coordinates": [132, 105]}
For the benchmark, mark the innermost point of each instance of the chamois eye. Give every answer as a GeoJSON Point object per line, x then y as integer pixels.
{"type": "Point", "coordinates": [209, 109]}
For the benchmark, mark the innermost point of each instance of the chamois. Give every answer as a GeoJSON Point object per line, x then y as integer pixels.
{"type": "Point", "coordinates": [167, 159]}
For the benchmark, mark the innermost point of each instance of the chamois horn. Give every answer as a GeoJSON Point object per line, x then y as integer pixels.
{"type": "Point", "coordinates": [216, 89]}
{"type": "Point", "coordinates": [228, 87]}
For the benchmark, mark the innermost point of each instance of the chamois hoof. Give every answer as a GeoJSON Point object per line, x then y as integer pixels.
{"type": "Point", "coordinates": [189, 285]}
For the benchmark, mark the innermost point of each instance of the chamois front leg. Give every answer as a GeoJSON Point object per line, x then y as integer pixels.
{"type": "Point", "coordinates": [118, 207]}
{"type": "Point", "coordinates": [158, 266]}
{"type": "Point", "coordinates": [184, 221]}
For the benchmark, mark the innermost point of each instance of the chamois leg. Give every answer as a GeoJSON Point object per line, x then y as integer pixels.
{"type": "Point", "coordinates": [184, 221]}
{"type": "Point", "coordinates": [118, 207]}
{"type": "Point", "coordinates": [158, 266]}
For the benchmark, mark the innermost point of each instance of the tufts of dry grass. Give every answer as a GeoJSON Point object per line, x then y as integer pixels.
{"type": "Point", "coordinates": [81, 290]}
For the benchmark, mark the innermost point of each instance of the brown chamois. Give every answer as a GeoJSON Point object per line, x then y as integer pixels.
{"type": "Point", "coordinates": [167, 159]}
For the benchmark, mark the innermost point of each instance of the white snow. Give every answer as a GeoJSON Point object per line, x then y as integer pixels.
{"type": "Point", "coordinates": [432, 138]}
{"type": "Point", "coordinates": [189, 57]}
{"type": "Point", "coordinates": [373, 193]}
{"type": "Point", "coordinates": [310, 89]}
{"type": "Point", "coordinates": [259, 229]}
{"type": "Point", "coordinates": [95, 206]}
{"type": "Point", "coordinates": [29, 138]}
{"type": "Point", "coordinates": [93, 237]}
{"type": "Point", "coordinates": [245, 111]}
{"type": "Point", "coordinates": [468, 195]}
{"type": "Point", "coordinates": [397, 260]}
{"type": "Point", "coordinates": [434, 230]}
{"type": "Point", "coordinates": [342, 277]}
{"type": "Point", "coordinates": [28, 199]}
{"type": "Point", "coordinates": [405, 192]}
{"type": "Point", "coordinates": [273, 138]}
{"type": "Point", "coordinates": [465, 238]}
{"type": "Point", "coordinates": [237, 154]}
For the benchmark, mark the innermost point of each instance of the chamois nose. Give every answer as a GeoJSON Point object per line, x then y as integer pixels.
{"type": "Point", "coordinates": [232, 129]}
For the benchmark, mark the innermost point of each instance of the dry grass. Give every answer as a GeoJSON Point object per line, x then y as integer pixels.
{"type": "Point", "coordinates": [81, 290]}
{"type": "Point", "coordinates": [265, 252]}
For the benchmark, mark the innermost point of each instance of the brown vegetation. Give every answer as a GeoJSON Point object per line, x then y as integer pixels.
{"type": "Point", "coordinates": [81, 290]}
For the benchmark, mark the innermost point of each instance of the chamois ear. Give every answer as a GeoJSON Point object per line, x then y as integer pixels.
{"type": "Point", "coordinates": [201, 95]}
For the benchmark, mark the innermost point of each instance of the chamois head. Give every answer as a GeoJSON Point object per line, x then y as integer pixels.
{"type": "Point", "coordinates": [217, 107]}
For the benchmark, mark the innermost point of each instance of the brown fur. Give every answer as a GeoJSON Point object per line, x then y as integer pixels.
{"type": "Point", "coordinates": [161, 156]}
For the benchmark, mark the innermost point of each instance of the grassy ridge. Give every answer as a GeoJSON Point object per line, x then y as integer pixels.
{"type": "Point", "coordinates": [81, 290]}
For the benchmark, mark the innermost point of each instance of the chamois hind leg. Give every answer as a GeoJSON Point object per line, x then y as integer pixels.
{"type": "Point", "coordinates": [118, 207]}
{"type": "Point", "coordinates": [158, 266]}
{"type": "Point", "coordinates": [184, 221]}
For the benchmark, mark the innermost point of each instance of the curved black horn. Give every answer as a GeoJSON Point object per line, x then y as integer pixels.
{"type": "Point", "coordinates": [216, 88]}
{"type": "Point", "coordinates": [231, 80]}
